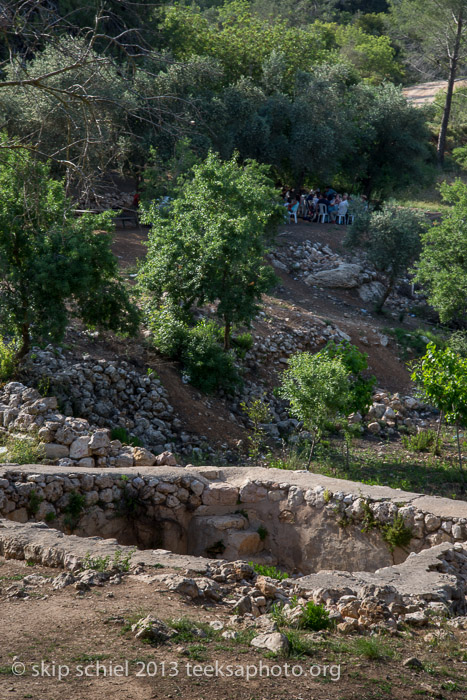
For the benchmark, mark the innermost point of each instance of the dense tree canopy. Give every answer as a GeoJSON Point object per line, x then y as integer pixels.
{"type": "Point", "coordinates": [53, 265]}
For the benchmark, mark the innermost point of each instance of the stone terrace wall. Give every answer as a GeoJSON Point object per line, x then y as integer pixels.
{"type": "Point", "coordinates": [302, 522]}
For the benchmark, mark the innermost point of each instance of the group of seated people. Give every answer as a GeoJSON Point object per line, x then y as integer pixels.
{"type": "Point", "coordinates": [307, 204]}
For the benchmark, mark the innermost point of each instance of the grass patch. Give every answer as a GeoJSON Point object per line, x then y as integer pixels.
{"type": "Point", "coordinates": [271, 571]}
{"type": "Point", "coordinates": [424, 441]}
{"type": "Point", "coordinates": [372, 648]}
{"type": "Point", "coordinates": [413, 343]}
{"type": "Point", "coordinates": [299, 645]}
{"type": "Point", "coordinates": [187, 630]}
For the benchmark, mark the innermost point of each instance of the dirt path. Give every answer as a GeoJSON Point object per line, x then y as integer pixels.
{"type": "Point", "coordinates": [425, 93]}
{"type": "Point", "coordinates": [340, 307]}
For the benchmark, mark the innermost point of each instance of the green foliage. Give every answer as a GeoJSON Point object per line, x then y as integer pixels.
{"type": "Point", "coordinates": [441, 375]}
{"type": "Point", "coordinates": [442, 268]}
{"type": "Point", "coordinates": [34, 502]}
{"type": "Point", "coordinates": [50, 517]}
{"type": "Point", "coordinates": [271, 571]}
{"type": "Point", "coordinates": [356, 362]}
{"type": "Point", "coordinates": [314, 617]}
{"type": "Point", "coordinates": [317, 388]}
{"type": "Point", "coordinates": [414, 342]}
{"type": "Point", "coordinates": [242, 344]}
{"type": "Point", "coordinates": [196, 347]}
{"type": "Point", "coordinates": [122, 434]}
{"type": "Point", "coordinates": [74, 509]}
{"type": "Point", "coordinates": [396, 534]}
{"type": "Point", "coordinates": [262, 532]}
{"type": "Point", "coordinates": [458, 343]}
{"type": "Point", "coordinates": [372, 648]}
{"type": "Point", "coordinates": [424, 441]}
{"type": "Point", "coordinates": [211, 244]}
{"type": "Point", "coordinates": [24, 450]}
{"type": "Point", "coordinates": [392, 240]}
{"type": "Point", "coordinates": [119, 562]}
{"type": "Point", "coordinates": [52, 264]}
{"type": "Point", "coordinates": [258, 412]}
{"type": "Point", "coordinates": [8, 350]}
{"type": "Point", "coordinates": [299, 646]}
{"type": "Point", "coordinates": [206, 364]}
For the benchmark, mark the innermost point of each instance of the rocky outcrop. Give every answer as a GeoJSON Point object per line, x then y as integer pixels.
{"type": "Point", "coordinates": [345, 276]}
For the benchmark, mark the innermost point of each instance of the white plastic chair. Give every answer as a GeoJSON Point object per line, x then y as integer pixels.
{"type": "Point", "coordinates": [323, 215]}
{"type": "Point", "coordinates": [340, 219]}
{"type": "Point", "coordinates": [350, 218]}
{"type": "Point", "coordinates": [293, 213]}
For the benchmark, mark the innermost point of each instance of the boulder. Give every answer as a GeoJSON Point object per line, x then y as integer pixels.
{"type": "Point", "coordinates": [274, 641]}
{"type": "Point", "coordinates": [346, 276]}
{"type": "Point", "coordinates": [143, 458]}
{"type": "Point", "coordinates": [152, 629]}
{"type": "Point", "coordinates": [371, 291]}
{"type": "Point", "coordinates": [165, 459]}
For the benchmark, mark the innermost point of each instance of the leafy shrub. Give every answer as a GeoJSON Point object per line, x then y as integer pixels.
{"type": "Point", "coordinates": [74, 509]}
{"type": "Point", "coordinates": [169, 327]}
{"type": "Point", "coordinates": [198, 348]}
{"type": "Point", "coordinates": [271, 571]}
{"type": "Point", "coordinates": [356, 362]}
{"type": "Point", "coordinates": [208, 366]}
{"type": "Point", "coordinates": [424, 441]}
{"type": "Point", "coordinates": [125, 437]}
{"type": "Point", "coordinates": [314, 617]}
{"type": "Point", "coordinates": [397, 534]}
{"type": "Point", "coordinates": [262, 532]}
{"type": "Point", "coordinates": [7, 360]}
{"type": "Point", "coordinates": [242, 344]}
{"type": "Point", "coordinates": [24, 450]}
{"type": "Point", "coordinates": [34, 502]}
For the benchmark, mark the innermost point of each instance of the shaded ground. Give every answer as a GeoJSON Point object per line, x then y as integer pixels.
{"type": "Point", "coordinates": [79, 631]}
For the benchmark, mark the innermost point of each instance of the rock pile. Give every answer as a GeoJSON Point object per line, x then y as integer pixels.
{"type": "Point", "coordinates": [112, 395]}
{"type": "Point", "coordinates": [66, 440]}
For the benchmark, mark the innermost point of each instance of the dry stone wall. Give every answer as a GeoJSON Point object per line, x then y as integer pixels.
{"type": "Point", "coordinates": [301, 522]}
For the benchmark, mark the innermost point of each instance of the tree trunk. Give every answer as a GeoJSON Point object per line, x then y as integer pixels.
{"type": "Point", "coordinates": [459, 456]}
{"type": "Point", "coordinates": [227, 328]}
{"type": "Point", "coordinates": [25, 342]}
{"type": "Point", "coordinates": [382, 301]}
{"type": "Point", "coordinates": [438, 432]}
{"type": "Point", "coordinates": [313, 443]}
{"type": "Point", "coordinates": [453, 61]}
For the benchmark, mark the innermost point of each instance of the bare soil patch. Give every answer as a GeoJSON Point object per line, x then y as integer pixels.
{"type": "Point", "coordinates": [80, 630]}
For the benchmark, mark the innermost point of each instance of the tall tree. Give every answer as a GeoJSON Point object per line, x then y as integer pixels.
{"type": "Point", "coordinates": [442, 268]}
{"type": "Point", "coordinates": [53, 266]}
{"type": "Point", "coordinates": [435, 30]}
{"type": "Point", "coordinates": [210, 246]}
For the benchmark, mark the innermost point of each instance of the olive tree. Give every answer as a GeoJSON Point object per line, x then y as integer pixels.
{"type": "Point", "coordinates": [53, 266]}
{"type": "Point", "coordinates": [392, 240]}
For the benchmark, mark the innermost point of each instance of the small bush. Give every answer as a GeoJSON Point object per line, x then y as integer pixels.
{"type": "Point", "coordinates": [7, 360]}
{"type": "Point", "coordinates": [262, 532]}
{"type": "Point", "coordinates": [125, 437]}
{"type": "Point", "coordinates": [397, 534]}
{"type": "Point", "coordinates": [34, 502]}
{"type": "Point", "coordinates": [314, 617]}
{"type": "Point", "coordinates": [74, 509]}
{"type": "Point", "coordinates": [271, 571]}
{"type": "Point", "coordinates": [207, 365]}
{"type": "Point", "coordinates": [169, 328]}
{"type": "Point", "coordinates": [299, 646]}
{"type": "Point", "coordinates": [242, 344]}
{"type": "Point", "coordinates": [24, 450]}
{"type": "Point", "coordinates": [119, 562]}
{"type": "Point", "coordinates": [424, 441]}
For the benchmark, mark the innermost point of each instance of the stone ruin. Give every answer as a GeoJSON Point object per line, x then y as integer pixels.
{"type": "Point", "coordinates": [330, 534]}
